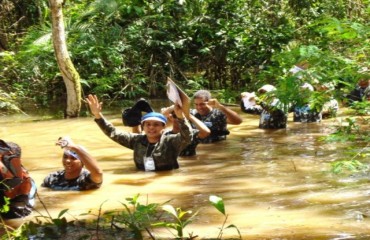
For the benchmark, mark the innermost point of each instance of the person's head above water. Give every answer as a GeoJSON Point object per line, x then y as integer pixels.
{"type": "Point", "coordinates": [201, 99]}
{"type": "Point", "coordinates": [154, 116]}
{"type": "Point", "coordinates": [153, 125]}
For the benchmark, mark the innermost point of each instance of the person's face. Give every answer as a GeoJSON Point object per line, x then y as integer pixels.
{"type": "Point", "coordinates": [201, 106]}
{"type": "Point", "coordinates": [153, 129]}
{"type": "Point", "coordinates": [364, 83]}
{"type": "Point", "coordinates": [71, 164]}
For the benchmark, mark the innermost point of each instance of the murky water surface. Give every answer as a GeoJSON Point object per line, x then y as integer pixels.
{"type": "Point", "coordinates": [275, 184]}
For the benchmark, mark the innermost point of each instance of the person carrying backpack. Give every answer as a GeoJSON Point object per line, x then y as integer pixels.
{"type": "Point", "coordinates": [17, 188]}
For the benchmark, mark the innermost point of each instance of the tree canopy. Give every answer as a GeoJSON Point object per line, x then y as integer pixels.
{"type": "Point", "coordinates": [125, 49]}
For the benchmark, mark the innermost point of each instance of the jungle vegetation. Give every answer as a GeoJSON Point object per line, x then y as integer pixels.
{"type": "Point", "coordinates": [125, 49]}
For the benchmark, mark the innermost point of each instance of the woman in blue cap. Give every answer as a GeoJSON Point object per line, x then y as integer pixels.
{"type": "Point", "coordinates": [153, 150]}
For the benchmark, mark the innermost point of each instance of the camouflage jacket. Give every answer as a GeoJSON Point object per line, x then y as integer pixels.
{"type": "Point", "coordinates": [216, 121]}
{"type": "Point", "coordinates": [164, 153]}
{"type": "Point", "coordinates": [306, 114]}
{"type": "Point", "coordinates": [57, 181]}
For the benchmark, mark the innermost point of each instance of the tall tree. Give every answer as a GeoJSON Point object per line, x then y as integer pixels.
{"type": "Point", "coordinates": [70, 75]}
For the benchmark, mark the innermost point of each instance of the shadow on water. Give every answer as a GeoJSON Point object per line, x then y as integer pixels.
{"type": "Point", "coordinates": [276, 184]}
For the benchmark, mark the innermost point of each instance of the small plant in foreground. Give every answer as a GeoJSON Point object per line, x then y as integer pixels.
{"type": "Point", "coordinates": [5, 209]}
{"type": "Point", "coordinates": [129, 223]}
{"type": "Point", "coordinates": [218, 203]}
{"type": "Point", "coordinates": [181, 221]}
{"type": "Point", "coordinates": [136, 217]}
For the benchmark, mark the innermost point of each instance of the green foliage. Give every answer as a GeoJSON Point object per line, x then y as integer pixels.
{"type": "Point", "coordinates": [351, 130]}
{"type": "Point", "coordinates": [136, 217]}
{"type": "Point", "coordinates": [225, 96]}
{"type": "Point", "coordinates": [347, 130]}
{"type": "Point", "coordinates": [347, 166]}
{"type": "Point", "coordinates": [45, 227]}
{"type": "Point", "coordinates": [127, 48]}
{"type": "Point", "coordinates": [181, 220]}
{"type": "Point", "coordinates": [361, 108]}
{"type": "Point", "coordinates": [5, 207]}
{"type": "Point", "coordinates": [218, 203]}
{"type": "Point", "coordinates": [7, 103]}
{"type": "Point", "coordinates": [129, 223]}
{"type": "Point", "coordinates": [195, 83]}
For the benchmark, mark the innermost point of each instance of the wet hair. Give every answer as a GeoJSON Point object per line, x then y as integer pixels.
{"type": "Point", "coordinates": [204, 94]}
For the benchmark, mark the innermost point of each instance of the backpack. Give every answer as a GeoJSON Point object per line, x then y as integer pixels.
{"type": "Point", "coordinates": [14, 178]}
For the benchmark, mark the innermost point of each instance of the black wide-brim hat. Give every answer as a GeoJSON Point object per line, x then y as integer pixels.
{"type": "Point", "coordinates": [132, 116]}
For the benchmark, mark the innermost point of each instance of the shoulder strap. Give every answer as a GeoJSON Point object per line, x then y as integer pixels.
{"type": "Point", "coordinates": [4, 148]}
{"type": "Point", "coordinates": [11, 159]}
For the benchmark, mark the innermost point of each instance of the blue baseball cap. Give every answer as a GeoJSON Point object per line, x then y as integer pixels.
{"type": "Point", "coordinates": [155, 117]}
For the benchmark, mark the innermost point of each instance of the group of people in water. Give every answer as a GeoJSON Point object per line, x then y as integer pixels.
{"type": "Point", "coordinates": [155, 145]}
{"type": "Point", "coordinates": [274, 112]}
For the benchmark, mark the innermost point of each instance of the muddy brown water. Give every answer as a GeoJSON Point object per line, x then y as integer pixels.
{"type": "Point", "coordinates": [276, 184]}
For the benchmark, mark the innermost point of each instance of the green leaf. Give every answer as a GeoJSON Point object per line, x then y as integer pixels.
{"type": "Point", "coordinates": [233, 226]}
{"type": "Point", "coordinates": [218, 203]}
{"type": "Point", "coordinates": [170, 209]}
{"type": "Point", "coordinates": [62, 212]}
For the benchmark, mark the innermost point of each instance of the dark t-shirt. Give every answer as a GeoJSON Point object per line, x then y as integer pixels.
{"type": "Point", "coordinates": [57, 181]}
{"type": "Point", "coordinates": [216, 121]}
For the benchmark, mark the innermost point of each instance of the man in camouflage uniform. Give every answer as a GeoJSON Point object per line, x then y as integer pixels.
{"type": "Point", "coordinates": [272, 117]}
{"type": "Point", "coordinates": [302, 111]}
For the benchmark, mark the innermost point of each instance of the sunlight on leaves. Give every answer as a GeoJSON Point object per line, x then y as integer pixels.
{"type": "Point", "coordinates": [218, 203]}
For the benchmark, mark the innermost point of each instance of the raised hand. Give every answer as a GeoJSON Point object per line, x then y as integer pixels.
{"type": "Point", "coordinates": [94, 105]}
{"type": "Point", "coordinates": [179, 112]}
{"type": "Point", "coordinates": [214, 103]}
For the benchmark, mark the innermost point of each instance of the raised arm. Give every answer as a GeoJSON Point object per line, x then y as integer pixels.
{"type": "Point", "coordinates": [95, 106]}
{"type": "Point", "coordinates": [90, 163]}
{"type": "Point", "coordinates": [204, 131]}
{"type": "Point", "coordinates": [184, 126]}
{"type": "Point", "coordinates": [231, 116]}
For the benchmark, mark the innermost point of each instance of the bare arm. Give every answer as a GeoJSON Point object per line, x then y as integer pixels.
{"type": "Point", "coordinates": [231, 116]}
{"type": "Point", "coordinates": [203, 129]}
{"type": "Point", "coordinates": [90, 163]}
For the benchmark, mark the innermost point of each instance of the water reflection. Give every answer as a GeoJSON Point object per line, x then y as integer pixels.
{"type": "Point", "coordinates": [275, 184]}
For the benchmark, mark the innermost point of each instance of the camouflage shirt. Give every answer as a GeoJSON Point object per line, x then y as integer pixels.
{"type": "Point", "coordinates": [306, 114]}
{"type": "Point", "coordinates": [190, 150]}
{"type": "Point", "coordinates": [57, 181]}
{"type": "Point", "coordinates": [216, 121]}
{"type": "Point", "coordinates": [164, 153]}
{"type": "Point", "coordinates": [272, 117]}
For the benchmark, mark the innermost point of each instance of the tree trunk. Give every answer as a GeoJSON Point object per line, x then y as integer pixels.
{"type": "Point", "coordinates": [69, 73]}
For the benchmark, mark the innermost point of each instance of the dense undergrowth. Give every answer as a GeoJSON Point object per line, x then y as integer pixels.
{"type": "Point", "coordinates": [134, 221]}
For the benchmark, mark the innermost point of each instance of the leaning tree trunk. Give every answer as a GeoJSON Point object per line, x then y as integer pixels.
{"type": "Point", "coordinates": [70, 75]}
